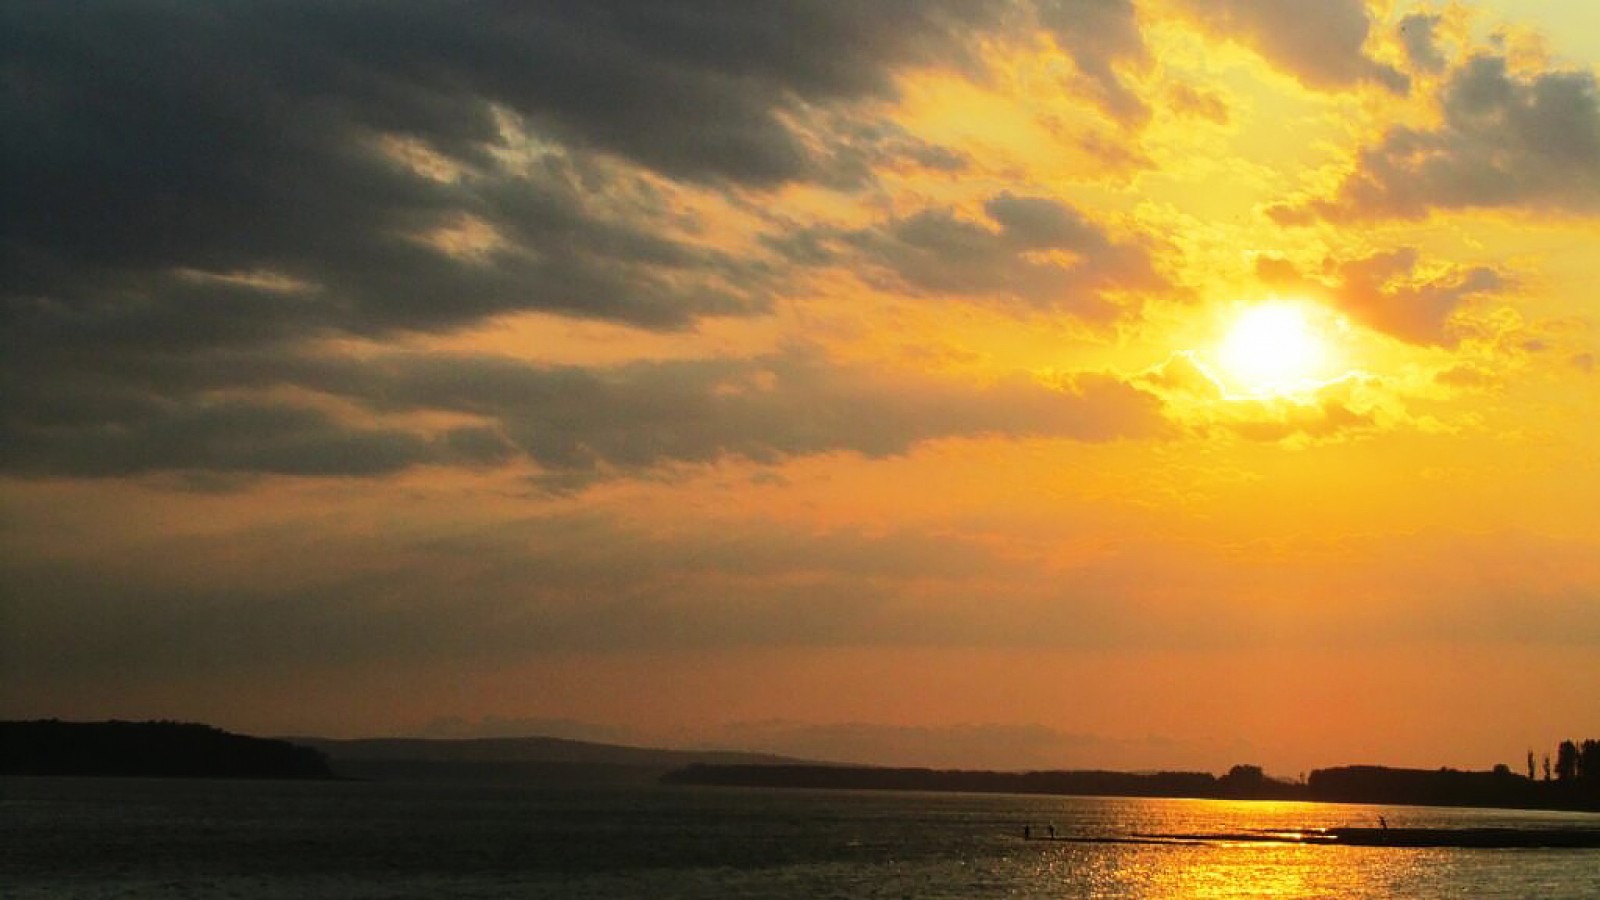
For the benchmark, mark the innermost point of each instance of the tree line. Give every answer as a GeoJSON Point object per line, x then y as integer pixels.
{"type": "Point", "coordinates": [1573, 782]}
{"type": "Point", "coordinates": [1575, 761]}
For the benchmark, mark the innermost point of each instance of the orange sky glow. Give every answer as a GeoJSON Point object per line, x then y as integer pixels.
{"type": "Point", "coordinates": [1070, 383]}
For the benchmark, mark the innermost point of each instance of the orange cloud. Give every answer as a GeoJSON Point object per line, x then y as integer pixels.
{"type": "Point", "coordinates": [1389, 293]}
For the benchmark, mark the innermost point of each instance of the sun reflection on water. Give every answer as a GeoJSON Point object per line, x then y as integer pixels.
{"type": "Point", "coordinates": [1233, 869]}
{"type": "Point", "coordinates": [1208, 872]}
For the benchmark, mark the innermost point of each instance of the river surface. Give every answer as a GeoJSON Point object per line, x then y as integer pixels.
{"type": "Point", "coordinates": [94, 838]}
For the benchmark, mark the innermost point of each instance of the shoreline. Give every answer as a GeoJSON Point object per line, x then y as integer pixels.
{"type": "Point", "coordinates": [1373, 785]}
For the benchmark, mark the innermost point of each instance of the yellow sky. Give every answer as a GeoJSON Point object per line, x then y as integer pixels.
{"type": "Point", "coordinates": [970, 422]}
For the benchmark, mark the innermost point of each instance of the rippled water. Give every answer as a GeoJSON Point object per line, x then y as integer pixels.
{"type": "Point", "coordinates": [104, 838]}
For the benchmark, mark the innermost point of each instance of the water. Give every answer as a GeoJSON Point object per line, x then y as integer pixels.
{"type": "Point", "coordinates": [96, 838]}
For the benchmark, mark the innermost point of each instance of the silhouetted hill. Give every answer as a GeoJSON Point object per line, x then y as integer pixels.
{"type": "Point", "coordinates": [150, 749]}
{"type": "Point", "coordinates": [521, 760]}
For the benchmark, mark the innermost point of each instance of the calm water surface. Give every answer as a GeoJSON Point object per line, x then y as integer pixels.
{"type": "Point", "coordinates": [135, 838]}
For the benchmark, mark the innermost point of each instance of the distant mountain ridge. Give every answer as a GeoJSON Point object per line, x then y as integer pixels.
{"type": "Point", "coordinates": [525, 749]}
{"type": "Point", "coordinates": [541, 759]}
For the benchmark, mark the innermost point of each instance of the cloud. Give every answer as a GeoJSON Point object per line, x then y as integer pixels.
{"type": "Point", "coordinates": [238, 437]}
{"type": "Point", "coordinates": [1507, 140]}
{"type": "Point", "coordinates": [1035, 252]}
{"type": "Point", "coordinates": [1180, 375]}
{"type": "Point", "coordinates": [1393, 292]}
{"type": "Point", "coordinates": [555, 583]}
{"type": "Point", "coordinates": [1099, 35]}
{"type": "Point", "coordinates": [261, 174]}
{"type": "Point", "coordinates": [1419, 36]}
{"type": "Point", "coordinates": [218, 187]}
{"type": "Point", "coordinates": [765, 409]}
{"type": "Point", "coordinates": [1465, 375]}
{"type": "Point", "coordinates": [1326, 416]}
{"type": "Point", "coordinates": [1189, 100]}
{"type": "Point", "coordinates": [486, 592]}
{"type": "Point", "coordinates": [569, 421]}
{"type": "Point", "coordinates": [314, 142]}
{"type": "Point", "coordinates": [1194, 397]}
{"type": "Point", "coordinates": [1321, 43]}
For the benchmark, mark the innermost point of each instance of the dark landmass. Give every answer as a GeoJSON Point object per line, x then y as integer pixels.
{"type": "Point", "coordinates": [530, 760]}
{"type": "Point", "coordinates": [1449, 787]}
{"type": "Point", "coordinates": [150, 749]}
{"type": "Point", "coordinates": [175, 749]}
{"type": "Point", "coordinates": [1088, 783]}
{"type": "Point", "coordinates": [1347, 784]}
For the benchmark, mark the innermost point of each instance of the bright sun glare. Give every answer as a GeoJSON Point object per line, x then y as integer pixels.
{"type": "Point", "coordinates": [1273, 349]}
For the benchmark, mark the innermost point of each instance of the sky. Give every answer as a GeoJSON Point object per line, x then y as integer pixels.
{"type": "Point", "coordinates": [996, 383]}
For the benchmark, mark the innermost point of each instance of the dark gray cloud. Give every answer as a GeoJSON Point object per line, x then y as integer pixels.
{"type": "Point", "coordinates": [764, 409]}
{"type": "Point", "coordinates": [197, 191]}
{"type": "Point", "coordinates": [1036, 252]}
{"type": "Point", "coordinates": [1319, 43]}
{"type": "Point", "coordinates": [151, 139]}
{"type": "Point", "coordinates": [1508, 140]}
{"type": "Point", "coordinates": [200, 185]}
{"type": "Point", "coordinates": [242, 437]}
{"type": "Point", "coordinates": [573, 422]}
{"type": "Point", "coordinates": [144, 138]}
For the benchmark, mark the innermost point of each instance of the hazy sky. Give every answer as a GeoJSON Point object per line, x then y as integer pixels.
{"type": "Point", "coordinates": [1015, 383]}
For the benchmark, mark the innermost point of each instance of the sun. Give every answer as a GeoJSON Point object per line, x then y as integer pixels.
{"type": "Point", "coordinates": [1273, 349]}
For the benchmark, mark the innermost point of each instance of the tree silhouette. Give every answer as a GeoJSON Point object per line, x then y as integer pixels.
{"type": "Point", "coordinates": [1530, 765]}
{"type": "Point", "coordinates": [1567, 761]}
{"type": "Point", "coordinates": [1589, 760]}
{"type": "Point", "coordinates": [1244, 773]}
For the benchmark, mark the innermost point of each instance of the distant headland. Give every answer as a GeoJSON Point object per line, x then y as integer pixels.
{"type": "Point", "coordinates": [179, 749]}
{"type": "Point", "coordinates": [1576, 785]}
{"type": "Point", "coordinates": [150, 750]}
